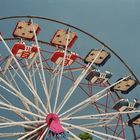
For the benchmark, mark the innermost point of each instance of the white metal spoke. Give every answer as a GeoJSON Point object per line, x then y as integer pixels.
{"type": "Point", "coordinates": [76, 83]}
{"type": "Point", "coordinates": [35, 100]}
{"type": "Point", "coordinates": [75, 111]}
{"type": "Point", "coordinates": [23, 122]}
{"type": "Point", "coordinates": [102, 125]}
{"type": "Point", "coordinates": [97, 136]}
{"type": "Point", "coordinates": [12, 76]}
{"type": "Point", "coordinates": [61, 71]}
{"type": "Point", "coordinates": [13, 108]}
{"type": "Point", "coordinates": [9, 135]}
{"type": "Point", "coordinates": [31, 137]}
{"type": "Point", "coordinates": [93, 98]}
{"type": "Point", "coordinates": [20, 68]}
{"type": "Point", "coordinates": [92, 131]}
{"type": "Point", "coordinates": [32, 132]}
{"type": "Point", "coordinates": [5, 120]}
{"type": "Point", "coordinates": [72, 134]}
{"type": "Point", "coordinates": [84, 106]}
{"type": "Point", "coordinates": [32, 62]}
{"type": "Point", "coordinates": [24, 103]}
{"type": "Point", "coordinates": [19, 95]}
{"type": "Point", "coordinates": [41, 138]}
{"type": "Point", "coordinates": [52, 83]}
{"type": "Point", "coordinates": [20, 125]}
{"type": "Point", "coordinates": [42, 69]}
{"type": "Point", "coordinates": [42, 83]}
{"type": "Point", "coordinates": [9, 61]}
{"type": "Point", "coordinates": [35, 135]}
{"type": "Point", "coordinates": [93, 116]}
{"type": "Point", "coordinates": [35, 86]}
{"type": "Point", "coordinates": [74, 70]}
{"type": "Point", "coordinates": [54, 73]}
{"type": "Point", "coordinates": [17, 112]}
{"type": "Point", "coordinates": [35, 94]}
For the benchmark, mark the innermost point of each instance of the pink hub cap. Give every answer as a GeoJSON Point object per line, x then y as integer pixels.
{"type": "Point", "coordinates": [53, 123]}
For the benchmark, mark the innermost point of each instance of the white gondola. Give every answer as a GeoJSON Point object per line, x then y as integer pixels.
{"type": "Point", "coordinates": [134, 121]}
{"type": "Point", "coordinates": [97, 77]}
{"type": "Point", "coordinates": [24, 30]}
{"type": "Point", "coordinates": [101, 60]}
{"type": "Point", "coordinates": [125, 86]}
{"type": "Point", "coordinates": [60, 38]}
{"type": "Point", "coordinates": [125, 105]}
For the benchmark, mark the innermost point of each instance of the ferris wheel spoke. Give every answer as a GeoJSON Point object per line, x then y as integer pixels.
{"type": "Point", "coordinates": [72, 134]}
{"type": "Point", "coordinates": [42, 136]}
{"type": "Point", "coordinates": [62, 69]}
{"type": "Point", "coordinates": [20, 125]}
{"type": "Point", "coordinates": [74, 69]}
{"type": "Point", "coordinates": [6, 106]}
{"type": "Point", "coordinates": [36, 101]}
{"type": "Point", "coordinates": [94, 125]}
{"type": "Point", "coordinates": [112, 118]}
{"type": "Point", "coordinates": [12, 75]}
{"type": "Point", "coordinates": [3, 100]}
{"type": "Point", "coordinates": [32, 132]}
{"type": "Point", "coordinates": [53, 76]}
{"type": "Point", "coordinates": [93, 116]}
{"type": "Point", "coordinates": [41, 80]}
{"type": "Point", "coordinates": [42, 84]}
{"type": "Point", "coordinates": [75, 111]}
{"type": "Point", "coordinates": [9, 124]}
{"type": "Point", "coordinates": [33, 137]}
{"type": "Point", "coordinates": [93, 98]}
{"type": "Point", "coordinates": [16, 112]}
{"type": "Point", "coordinates": [92, 131]}
{"type": "Point", "coordinates": [5, 120]}
{"type": "Point", "coordinates": [42, 69]}
{"type": "Point", "coordinates": [104, 122]}
{"type": "Point", "coordinates": [84, 106]}
{"type": "Point", "coordinates": [35, 94]}
{"type": "Point", "coordinates": [24, 103]}
{"type": "Point", "coordinates": [17, 87]}
{"type": "Point", "coordinates": [55, 72]}
{"type": "Point", "coordinates": [18, 95]}
{"type": "Point", "coordinates": [10, 135]}
{"type": "Point", "coordinates": [85, 132]}
{"type": "Point", "coordinates": [33, 75]}
{"type": "Point", "coordinates": [99, 121]}
{"type": "Point", "coordinates": [32, 62]}
{"type": "Point", "coordinates": [20, 68]}
{"type": "Point", "coordinates": [99, 137]}
{"type": "Point", "coordinates": [76, 83]}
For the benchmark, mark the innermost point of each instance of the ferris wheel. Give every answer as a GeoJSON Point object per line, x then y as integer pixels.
{"type": "Point", "coordinates": [59, 82]}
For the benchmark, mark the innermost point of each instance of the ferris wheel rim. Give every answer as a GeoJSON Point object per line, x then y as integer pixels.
{"type": "Point", "coordinates": [81, 30]}
{"type": "Point", "coordinates": [88, 34]}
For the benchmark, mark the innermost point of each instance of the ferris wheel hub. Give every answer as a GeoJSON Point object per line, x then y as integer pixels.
{"type": "Point", "coordinates": [53, 123]}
